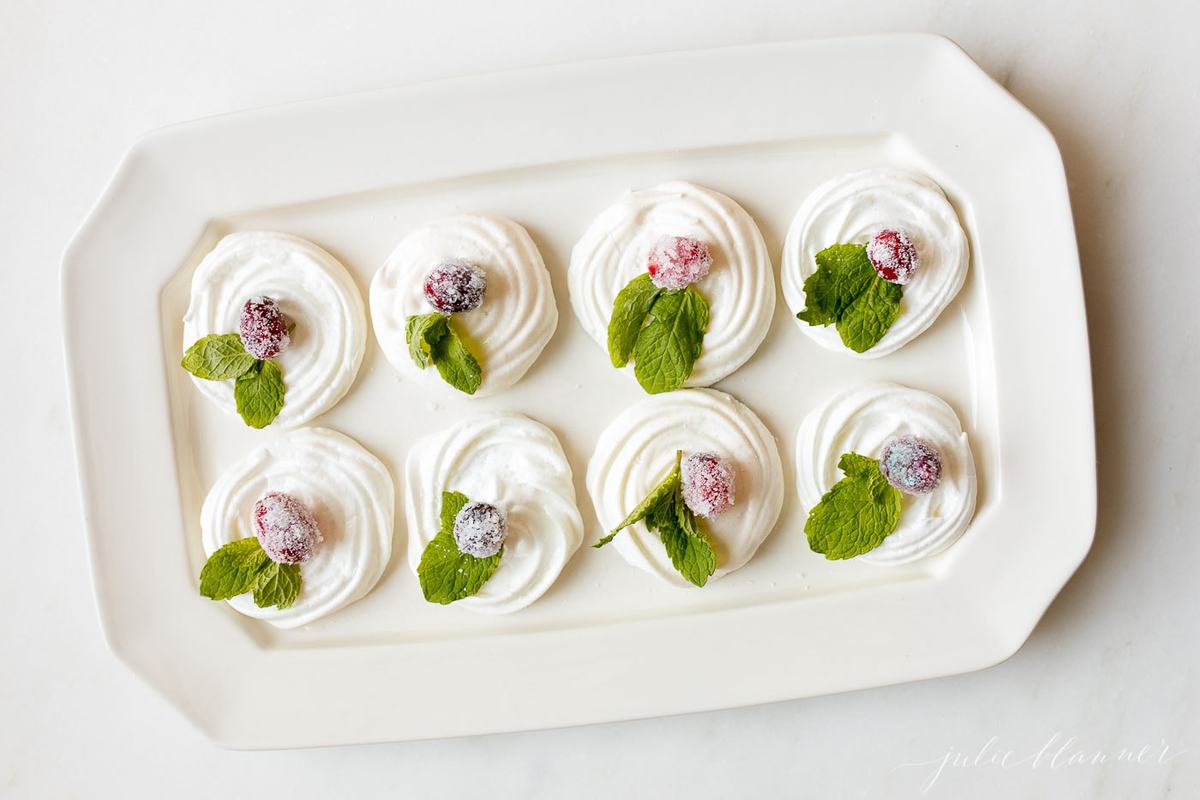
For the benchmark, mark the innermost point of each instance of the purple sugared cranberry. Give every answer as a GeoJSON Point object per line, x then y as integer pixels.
{"type": "Point", "coordinates": [263, 328]}
{"type": "Point", "coordinates": [911, 465]}
{"type": "Point", "coordinates": [479, 529]}
{"type": "Point", "coordinates": [455, 286]}
{"type": "Point", "coordinates": [678, 261]}
{"type": "Point", "coordinates": [893, 255]}
{"type": "Point", "coordinates": [286, 528]}
{"type": "Point", "coordinates": [708, 484]}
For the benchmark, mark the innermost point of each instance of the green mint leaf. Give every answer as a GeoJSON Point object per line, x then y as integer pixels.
{"type": "Point", "coordinates": [259, 394]}
{"type": "Point", "coordinates": [452, 503]}
{"type": "Point", "coordinates": [455, 363]}
{"type": "Point", "coordinates": [664, 491]}
{"type": "Point", "coordinates": [691, 552]}
{"type": "Point", "coordinates": [277, 585]}
{"type": "Point", "coordinates": [432, 339]}
{"type": "Point", "coordinates": [446, 573]}
{"type": "Point", "coordinates": [421, 331]}
{"type": "Point", "coordinates": [233, 569]}
{"type": "Point", "coordinates": [857, 514]}
{"type": "Point", "coordinates": [218, 357]}
{"type": "Point", "coordinates": [868, 318]}
{"type": "Point", "coordinates": [846, 291]}
{"type": "Point", "coordinates": [667, 348]}
{"type": "Point", "coordinates": [843, 273]}
{"type": "Point", "coordinates": [630, 309]}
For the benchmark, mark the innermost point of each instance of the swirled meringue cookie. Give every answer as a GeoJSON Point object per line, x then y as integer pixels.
{"type": "Point", "coordinates": [851, 209]}
{"type": "Point", "coordinates": [862, 420]}
{"type": "Point", "coordinates": [517, 465]}
{"type": "Point", "coordinates": [349, 492]}
{"type": "Point", "coordinates": [637, 450]}
{"type": "Point", "coordinates": [506, 333]}
{"type": "Point", "coordinates": [315, 293]}
{"type": "Point", "coordinates": [740, 289]}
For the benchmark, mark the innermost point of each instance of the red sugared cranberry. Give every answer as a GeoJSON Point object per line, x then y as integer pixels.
{"type": "Point", "coordinates": [479, 529]}
{"type": "Point", "coordinates": [678, 261]}
{"type": "Point", "coordinates": [286, 528]}
{"type": "Point", "coordinates": [263, 329]}
{"type": "Point", "coordinates": [893, 256]}
{"type": "Point", "coordinates": [455, 286]}
{"type": "Point", "coordinates": [708, 484]}
{"type": "Point", "coordinates": [911, 465]}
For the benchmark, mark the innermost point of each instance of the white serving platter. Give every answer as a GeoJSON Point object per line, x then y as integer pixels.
{"type": "Point", "coordinates": [551, 147]}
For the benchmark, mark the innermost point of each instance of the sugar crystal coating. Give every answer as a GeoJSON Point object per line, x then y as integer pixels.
{"type": "Point", "coordinates": [263, 328]}
{"type": "Point", "coordinates": [893, 255]}
{"type": "Point", "coordinates": [911, 465]}
{"type": "Point", "coordinates": [286, 528]}
{"type": "Point", "coordinates": [708, 484]}
{"type": "Point", "coordinates": [479, 529]}
{"type": "Point", "coordinates": [678, 261]}
{"type": "Point", "coordinates": [454, 286]}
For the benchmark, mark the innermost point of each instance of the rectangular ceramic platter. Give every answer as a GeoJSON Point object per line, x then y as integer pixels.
{"type": "Point", "coordinates": [550, 148]}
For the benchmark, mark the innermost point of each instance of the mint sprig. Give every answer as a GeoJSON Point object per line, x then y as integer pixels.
{"type": "Point", "coordinates": [664, 511]}
{"type": "Point", "coordinates": [242, 566]}
{"type": "Point", "coordinates": [446, 573]}
{"type": "Point", "coordinates": [857, 514]}
{"type": "Point", "coordinates": [258, 386]}
{"type": "Point", "coordinates": [432, 339]}
{"type": "Point", "coordinates": [846, 291]}
{"type": "Point", "coordinates": [665, 348]}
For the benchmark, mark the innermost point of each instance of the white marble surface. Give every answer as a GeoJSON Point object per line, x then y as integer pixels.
{"type": "Point", "coordinates": [1114, 663]}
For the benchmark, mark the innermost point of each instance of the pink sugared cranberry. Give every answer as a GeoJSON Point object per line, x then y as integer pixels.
{"type": "Point", "coordinates": [911, 465]}
{"type": "Point", "coordinates": [454, 286]}
{"type": "Point", "coordinates": [286, 528]}
{"type": "Point", "coordinates": [263, 328]}
{"type": "Point", "coordinates": [678, 261]}
{"type": "Point", "coordinates": [893, 255]}
{"type": "Point", "coordinates": [479, 529]}
{"type": "Point", "coordinates": [708, 484]}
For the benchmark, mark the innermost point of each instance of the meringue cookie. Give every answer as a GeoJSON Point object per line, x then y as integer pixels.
{"type": "Point", "coordinates": [851, 209]}
{"type": "Point", "coordinates": [637, 450]}
{"type": "Point", "coordinates": [506, 333]}
{"type": "Point", "coordinates": [862, 420]}
{"type": "Point", "coordinates": [348, 491]}
{"type": "Point", "coordinates": [315, 293]}
{"type": "Point", "coordinates": [740, 289]}
{"type": "Point", "coordinates": [517, 465]}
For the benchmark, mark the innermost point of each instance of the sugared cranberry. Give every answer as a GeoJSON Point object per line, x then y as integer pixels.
{"type": "Point", "coordinates": [708, 484]}
{"type": "Point", "coordinates": [455, 286]}
{"type": "Point", "coordinates": [678, 261]}
{"type": "Point", "coordinates": [911, 465]}
{"type": "Point", "coordinates": [287, 530]}
{"type": "Point", "coordinates": [893, 255]}
{"type": "Point", "coordinates": [479, 529]}
{"type": "Point", "coordinates": [263, 328]}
